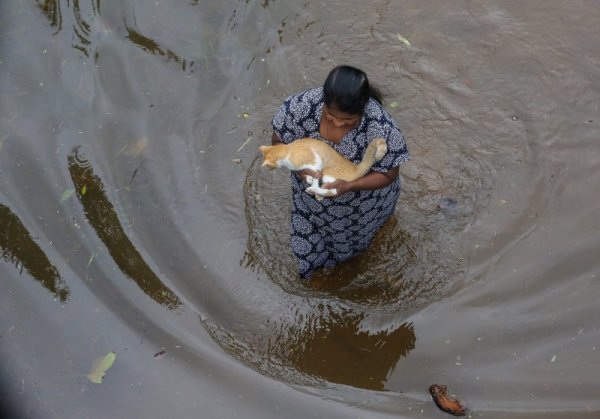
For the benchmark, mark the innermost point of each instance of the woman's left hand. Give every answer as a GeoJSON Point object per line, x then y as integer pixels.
{"type": "Point", "coordinates": [340, 186]}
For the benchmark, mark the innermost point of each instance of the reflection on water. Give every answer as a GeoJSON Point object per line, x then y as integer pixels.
{"type": "Point", "coordinates": [329, 343]}
{"type": "Point", "coordinates": [51, 9]}
{"type": "Point", "coordinates": [102, 216]}
{"type": "Point", "coordinates": [82, 28]}
{"type": "Point", "coordinates": [338, 351]}
{"type": "Point", "coordinates": [19, 248]}
{"type": "Point", "coordinates": [86, 28]}
{"type": "Point", "coordinates": [151, 46]}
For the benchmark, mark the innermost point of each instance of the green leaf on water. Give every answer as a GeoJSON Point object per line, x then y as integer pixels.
{"type": "Point", "coordinates": [99, 367]}
{"type": "Point", "coordinates": [403, 40]}
{"type": "Point", "coordinates": [83, 189]}
{"type": "Point", "coordinates": [394, 105]}
{"type": "Point", "coordinates": [67, 194]}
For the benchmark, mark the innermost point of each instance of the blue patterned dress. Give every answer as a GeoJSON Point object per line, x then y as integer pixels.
{"type": "Point", "coordinates": [327, 232]}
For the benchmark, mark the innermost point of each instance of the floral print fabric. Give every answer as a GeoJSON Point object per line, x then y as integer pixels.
{"type": "Point", "coordinates": [327, 232]}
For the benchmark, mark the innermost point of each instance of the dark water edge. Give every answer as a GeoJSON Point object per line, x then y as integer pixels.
{"type": "Point", "coordinates": [127, 223]}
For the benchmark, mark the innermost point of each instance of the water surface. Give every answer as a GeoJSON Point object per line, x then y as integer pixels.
{"type": "Point", "coordinates": [135, 217]}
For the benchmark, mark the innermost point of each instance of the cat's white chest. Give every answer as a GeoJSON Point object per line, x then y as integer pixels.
{"type": "Point", "coordinates": [317, 165]}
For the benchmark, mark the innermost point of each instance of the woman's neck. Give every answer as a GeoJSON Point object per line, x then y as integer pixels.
{"type": "Point", "coordinates": [331, 131]}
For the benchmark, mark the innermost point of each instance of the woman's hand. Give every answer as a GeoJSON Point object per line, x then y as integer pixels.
{"type": "Point", "coordinates": [308, 172]}
{"type": "Point", "coordinates": [340, 186]}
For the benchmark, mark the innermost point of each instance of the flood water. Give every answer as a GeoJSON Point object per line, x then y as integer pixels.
{"type": "Point", "coordinates": [135, 217]}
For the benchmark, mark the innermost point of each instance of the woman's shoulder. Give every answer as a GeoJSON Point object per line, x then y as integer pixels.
{"type": "Point", "coordinates": [375, 112]}
{"type": "Point", "coordinates": [303, 105]}
{"type": "Point", "coordinates": [298, 117]}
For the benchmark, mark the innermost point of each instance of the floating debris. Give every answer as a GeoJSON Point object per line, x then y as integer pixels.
{"type": "Point", "coordinates": [99, 367]}
{"type": "Point", "coordinates": [160, 355]}
{"type": "Point", "coordinates": [122, 149]}
{"type": "Point", "coordinates": [447, 204]}
{"type": "Point", "coordinates": [403, 40]}
{"type": "Point", "coordinates": [244, 144]}
{"type": "Point", "coordinates": [94, 254]}
{"type": "Point", "coordinates": [67, 194]}
{"type": "Point", "coordinates": [238, 161]}
{"type": "Point", "coordinates": [446, 403]}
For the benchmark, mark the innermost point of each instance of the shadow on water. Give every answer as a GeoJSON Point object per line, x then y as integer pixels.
{"type": "Point", "coordinates": [19, 248]}
{"type": "Point", "coordinates": [102, 216]}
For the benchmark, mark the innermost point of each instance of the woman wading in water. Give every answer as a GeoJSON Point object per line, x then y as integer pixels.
{"type": "Point", "coordinates": [347, 114]}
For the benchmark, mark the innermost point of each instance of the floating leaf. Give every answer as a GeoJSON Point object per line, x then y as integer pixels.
{"type": "Point", "coordinates": [245, 115]}
{"type": "Point", "coordinates": [394, 105]}
{"type": "Point", "coordinates": [403, 40]}
{"type": "Point", "coordinates": [99, 367]}
{"type": "Point", "coordinates": [83, 189]}
{"type": "Point", "coordinates": [67, 194]}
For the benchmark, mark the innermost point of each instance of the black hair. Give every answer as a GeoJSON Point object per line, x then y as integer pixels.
{"type": "Point", "coordinates": [347, 88]}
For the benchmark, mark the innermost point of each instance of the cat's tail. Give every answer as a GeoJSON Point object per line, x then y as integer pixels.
{"type": "Point", "coordinates": [375, 152]}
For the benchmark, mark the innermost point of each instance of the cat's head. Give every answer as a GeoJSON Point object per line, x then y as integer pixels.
{"type": "Point", "coordinates": [270, 156]}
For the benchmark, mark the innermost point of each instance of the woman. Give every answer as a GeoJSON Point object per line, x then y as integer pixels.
{"type": "Point", "coordinates": [347, 114]}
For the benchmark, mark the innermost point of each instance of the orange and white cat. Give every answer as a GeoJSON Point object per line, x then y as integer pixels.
{"type": "Point", "coordinates": [309, 153]}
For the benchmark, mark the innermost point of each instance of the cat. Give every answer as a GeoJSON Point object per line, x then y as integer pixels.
{"type": "Point", "coordinates": [309, 153]}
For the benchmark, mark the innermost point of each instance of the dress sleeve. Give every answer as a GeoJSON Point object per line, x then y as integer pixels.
{"type": "Point", "coordinates": [285, 122]}
{"type": "Point", "coordinates": [397, 152]}
{"type": "Point", "coordinates": [282, 121]}
{"type": "Point", "coordinates": [297, 117]}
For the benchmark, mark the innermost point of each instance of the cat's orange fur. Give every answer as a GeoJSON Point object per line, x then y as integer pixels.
{"type": "Point", "coordinates": [308, 153]}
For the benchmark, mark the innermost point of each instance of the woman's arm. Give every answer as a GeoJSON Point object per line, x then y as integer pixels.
{"type": "Point", "coordinates": [371, 181]}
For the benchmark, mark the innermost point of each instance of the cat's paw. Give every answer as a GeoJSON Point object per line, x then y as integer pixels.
{"type": "Point", "coordinates": [329, 192]}
{"type": "Point", "coordinates": [308, 179]}
{"type": "Point", "coordinates": [320, 193]}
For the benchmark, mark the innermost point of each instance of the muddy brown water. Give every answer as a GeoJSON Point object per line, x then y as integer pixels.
{"type": "Point", "coordinates": [129, 225]}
